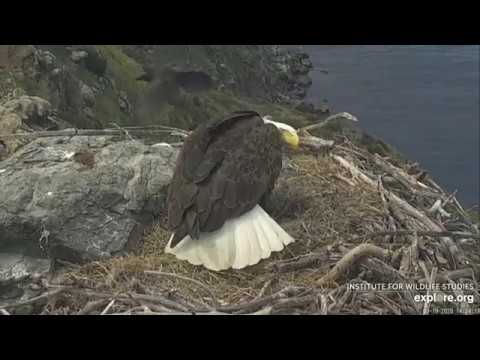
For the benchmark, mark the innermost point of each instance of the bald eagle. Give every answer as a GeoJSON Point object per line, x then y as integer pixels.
{"type": "Point", "coordinates": [224, 172]}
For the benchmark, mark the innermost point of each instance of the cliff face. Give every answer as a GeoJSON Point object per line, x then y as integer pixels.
{"type": "Point", "coordinates": [90, 86]}
{"type": "Point", "coordinates": [79, 198]}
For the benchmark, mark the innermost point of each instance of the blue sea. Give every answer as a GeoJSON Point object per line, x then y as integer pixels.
{"type": "Point", "coordinates": [422, 99]}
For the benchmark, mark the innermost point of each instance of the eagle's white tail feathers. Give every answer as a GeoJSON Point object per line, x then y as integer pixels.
{"type": "Point", "coordinates": [241, 242]}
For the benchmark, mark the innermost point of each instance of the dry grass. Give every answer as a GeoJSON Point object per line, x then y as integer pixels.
{"type": "Point", "coordinates": [327, 211]}
{"type": "Point", "coordinates": [309, 202]}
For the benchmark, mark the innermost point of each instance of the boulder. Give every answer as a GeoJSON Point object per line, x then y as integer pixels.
{"type": "Point", "coordinates": [78, 56]}
{"type": "Point", "coordinates": [81, 198]}
{"type": "Point", "coordinates": [22, 114]}
{"type": "Point", "coordinates": [47, 60]}
{"type": "Point", "coordinates": [88, 95]}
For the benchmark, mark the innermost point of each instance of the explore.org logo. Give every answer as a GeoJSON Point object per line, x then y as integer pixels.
{"type": "Point", "coordinates": [423, 292]}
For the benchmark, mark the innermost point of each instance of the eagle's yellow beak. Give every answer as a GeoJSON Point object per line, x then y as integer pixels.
{"type": "Point", "coordinates": [291, 138]}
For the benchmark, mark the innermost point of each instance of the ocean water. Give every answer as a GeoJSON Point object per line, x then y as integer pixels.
{"type": "Point", "coordinates": [422, 99]}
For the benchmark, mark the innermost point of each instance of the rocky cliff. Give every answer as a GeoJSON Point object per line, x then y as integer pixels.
{"type": "Point", "coordinates": [73, 197]}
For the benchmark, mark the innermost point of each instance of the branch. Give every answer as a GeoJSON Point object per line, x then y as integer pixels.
{"type": "Point", "coordinates": [206, 288]}
{"type": "Point", "coordinates": [350, 259]}
{"type": "Point", "coordinates": [315, 142]}
{"type": "Point", "coordinates": [449, 245]}
{"type": "Point", "coordinates": [433, 276]}
{"type": "Point", "coordinates": [46, 295]}
{"type": "Point", "coordinates": [343, 115]}
{"type": "Point", "coordinates": [302, 263]}
{"type": "Point", "coordinates": [100, 132]}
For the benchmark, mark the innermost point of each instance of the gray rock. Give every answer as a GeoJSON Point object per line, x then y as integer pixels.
{"type": "Point", "coordinates": [85, 197]}
{"type": "Point", "coordinates": [47, 60]}
{"type": "Point", "coordinates": [78, 56]}
{"type": "Point", "coordinates": [88, 95]}
{"type": "Point", "coordinates": [88, 112]}
{"type": "Point", "coordinates": [22, 114]}
{"type": "Point", "coordinates": [304, 80]}
{"type": "Point", "coordinates": [123, 102]}
{"type": "Point", "coordinates": [16, 267]}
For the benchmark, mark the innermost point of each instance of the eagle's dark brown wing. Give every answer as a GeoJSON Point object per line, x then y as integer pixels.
{"type": "Point", "coordinates": [224, 169]}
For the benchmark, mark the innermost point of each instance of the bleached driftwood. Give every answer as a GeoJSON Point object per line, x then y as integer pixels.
{"type": "Point", "coordinates": [342, 115]}
{"type": "Point", "coordinates": [350, 259]}
{"type": "Point", "coordinates": [450, 247]}
{"type": "Point", "coordinates": [126, 131]}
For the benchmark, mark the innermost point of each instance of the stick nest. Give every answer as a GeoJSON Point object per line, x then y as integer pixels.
{"type": "Point", "coordinates": [358, 220]}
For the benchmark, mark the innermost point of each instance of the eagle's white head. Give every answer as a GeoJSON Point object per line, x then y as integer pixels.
{"type": "Point", "coordinates": [289, 134]}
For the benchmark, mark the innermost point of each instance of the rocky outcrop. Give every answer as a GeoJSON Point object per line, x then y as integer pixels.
{"type": "Point", "coordinates": [81, 198]}
{"type": "Point", "coordinates": [24, 114]}
{"type": "Point", "coordinates": [268, 72]}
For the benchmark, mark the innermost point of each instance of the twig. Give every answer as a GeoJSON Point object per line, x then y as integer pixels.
{"type": "Point", "coordinates": [92, 132]}
{"type": "Point", "coordinates": [124, 131]}
{"type": "Point", "coordinates": [110, 304]}
{"type": "Point", "coordinates": [449, 245]}
{"type": "Point", "coordinates": [316, 143]}
{"type": "Point", "coordinates": [437, 206]}
{"type": "Point", "coordinates": [46, 295]}
{"type": "Point", "coordinates": [401, 176]}
{"type": "Point", "coordinates": [343, 115]}
{"type": "Point", "coordinates": [453, 275]}
{"type": "Point", "coordinates": [426, 233]}
{"type": "Point", "coordinates": [256, 304]}
{"type": "Point", "coordinates": [294, 302]}
{"type": "Point", "coordinates": [264, 311]}
{"type": "Point", "coordinates": [350, 259]}
{"type": "Point", "coordinates": [264, 288]}
{"type": "Point", "coordinates": [323, 305]}
{"type": "Point", "coordinates": [210, 292]}
{"type": "Point", "coordinates": [302, 263]}
{"type": "Point", "coordinates": [433, 276]}
{"type": "Point", "coordinates": [387, 273]}
{"type": "Point", "coordinates": [139, 297]}
{"type": "Point", "coordinates": [4, 312]}
{"type": "Point", "coordinates": [92, 306]}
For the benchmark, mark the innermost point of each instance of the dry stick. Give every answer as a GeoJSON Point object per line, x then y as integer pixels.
{"type": "Point", "coordinates": [264, 311]}
{"type": "Point", "coordinates": [459, 207]}
{"type": "Point", "coordinates": [392, 275]}
{"type": "Point", "coordinates": [92, 306]}
{"type": "Point", "coordinates": [323, 305]}
{"type": "Point", "coordinates": [302, 263]}
{"type": "Point", "coordinates": [4, 312]}
{"type": "Point", "coordinates": [462, 306]}
{"type": "Point", "coordinates": [438, 207]}
{"type": "Point", "coordinates": [251, 306]}
{"type": "Point", "coordinates": [410, 210]}
{"type": "Point", "coordinates": [139, 297]}
{"type": "Point", "coordinates": [294, 302]}
{"type": "Point", "coordinates": [124, 131]}
{"type": "Point", "coordinates": [453, 275]}
{"type": "Point", "coordinates": [110, 304]}
{"type": "Point", "coordinates": [255, 304]}
{"type": "Point", "coordinates": [152, 313]}
{"type": "Point", "coordinates": [263, 289]}
{"type": "Point", "coordinates": [433, 276]}
{"type": "Point", "coordinates": [350, 259]}
{"type": "Point", "coordinates": [400, 175]}
{"type": "Point", "coordinates": [192, 304]}
{"type": "Point", "coordinates": [427, 233]}
{"type": "Point", "coordinates": [203, 286]}
{"type": "Point", "coordinates": [46, 295]}
{"type": "Point", "coordinates": [390, 304]}
{"type": "Point", "coordinates": [316, 142]}
{"type": "Point", "coordinates": [327, 120]}
{"type": "Point", "coordinates": [92, 132]}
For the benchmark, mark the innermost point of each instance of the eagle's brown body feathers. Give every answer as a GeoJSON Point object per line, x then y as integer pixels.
{"type": "Point", "coordinates": [224, 170]}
